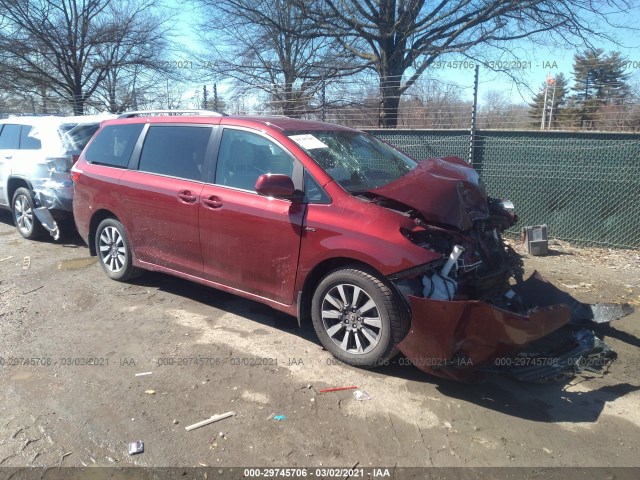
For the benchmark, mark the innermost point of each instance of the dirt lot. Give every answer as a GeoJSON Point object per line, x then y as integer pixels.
{"type": "Point", "coordinates": [210, 352]}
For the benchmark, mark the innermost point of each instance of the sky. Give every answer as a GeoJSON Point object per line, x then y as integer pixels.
{"type": "Point", "coordinates": [530, 63]}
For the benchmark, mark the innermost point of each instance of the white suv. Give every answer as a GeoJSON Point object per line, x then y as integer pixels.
{"type": "Point", "coordinates": [36, 155]}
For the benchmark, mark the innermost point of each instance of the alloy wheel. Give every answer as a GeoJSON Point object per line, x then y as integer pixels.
{"type": "Point", "coordinates": [23, 214]}
{"type": "Point", "coordinates": [351, 318]}
{"type": "Point", "coordinates": [112, 249]}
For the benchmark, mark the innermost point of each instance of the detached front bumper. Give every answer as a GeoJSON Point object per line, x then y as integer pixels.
{"type": "Point", "coordinates": [461, 340]}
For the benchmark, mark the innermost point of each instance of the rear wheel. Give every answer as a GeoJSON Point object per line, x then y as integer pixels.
{"type": "Point", "coordinates": [22, 207]}
{"type": "Point", "coordinates": [358, 318]}
{"type": "Point", "coordinates": [114, 251]}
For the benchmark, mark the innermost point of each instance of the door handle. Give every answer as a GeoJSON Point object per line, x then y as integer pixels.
{"type": "Point", "coordinates": [212, 202]}
{"type": "Point", "coordinates": [187, 197]}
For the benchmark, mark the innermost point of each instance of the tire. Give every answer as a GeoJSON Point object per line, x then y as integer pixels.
{"type": "Point", "coordinates": [114, 251]}
{"type": "Point", "coordinates": [364, 333]}
{"type": "Point", "coordinates": [24, 217]}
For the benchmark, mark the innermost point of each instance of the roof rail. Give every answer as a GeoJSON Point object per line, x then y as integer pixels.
{"type": "Point", "coordinates": [154, 113]}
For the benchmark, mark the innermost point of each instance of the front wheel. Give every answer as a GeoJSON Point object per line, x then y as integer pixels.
{"type": "Point", "coordinates": [114, 250]}
{"type": "Point", "coordinates": [358, 318]}
{"type": "Point", "coordinates": [23, 206]}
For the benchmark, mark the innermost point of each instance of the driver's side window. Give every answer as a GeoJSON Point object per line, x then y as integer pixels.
{"type": "Point", "coordinates": [244, 156]}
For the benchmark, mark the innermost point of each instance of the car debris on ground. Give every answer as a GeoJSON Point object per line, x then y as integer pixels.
{"type": "Point", "coordinates": [136, 447]}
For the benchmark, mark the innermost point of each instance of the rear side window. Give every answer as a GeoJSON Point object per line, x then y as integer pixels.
{"type": "Point", "coordinates": [76, 138]}
{"type": "Point", "coordinates": [28, 138]}
{"type": "Point", "coordinates": [114, 144]}
{"type": "Point", "coordinates": [175, 151]}
{"type": "Point", "coordinates": [10, 137]}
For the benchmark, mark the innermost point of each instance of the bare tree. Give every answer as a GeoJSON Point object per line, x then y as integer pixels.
{"type": "Point", "coordinates": [430, 103]}
{"type": "Point", "coordinates": [269, 46]}
{"type": "Point", "coordinates": [137, 58]}
{"type": "Point", "coordinates": [400, 39]}
{"type": "Point", "coordinates": [73, 47]}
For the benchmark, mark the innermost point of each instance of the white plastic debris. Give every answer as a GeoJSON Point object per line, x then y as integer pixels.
{"type": "Point", "coordinates": [439, 286]}
{"type": "Point", "coordinates": [136, 447]}
{"type": "Point", "coordinates": [361, 395]}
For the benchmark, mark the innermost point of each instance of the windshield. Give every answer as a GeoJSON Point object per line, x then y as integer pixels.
{"type": "Point", "coordinates": [357, 161]}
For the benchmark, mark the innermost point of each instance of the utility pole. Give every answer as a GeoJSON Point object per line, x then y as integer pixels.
{"type": "Point", "coordinates": [544, 107]}
{"type": "Point", "coordinates": [215, 97]}
{"type": "Point", "coordinates": [205, 102]}
{"type": "Point", "coordinates": [551, 82]}
{"type": "Point", "coordinates": [553, 99]}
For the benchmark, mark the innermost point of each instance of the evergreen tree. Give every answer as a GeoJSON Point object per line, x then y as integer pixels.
{"type": "Point", "coordinates": [599, 79]}
{"type": "Point", "coordinates": [599, 76]}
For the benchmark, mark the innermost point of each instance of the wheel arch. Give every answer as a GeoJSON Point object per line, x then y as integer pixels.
{"type": "Point", "coordinates": [96, 218]}
{"type": "Point", "coordinates": [317, 273]}
{"type": "Point", "coordinates": [13, 184]}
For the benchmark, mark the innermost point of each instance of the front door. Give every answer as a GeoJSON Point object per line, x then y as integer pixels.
{"type": "Point", "coordinates": [250, 242]}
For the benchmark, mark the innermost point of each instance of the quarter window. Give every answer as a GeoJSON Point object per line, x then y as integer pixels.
{"type": "Point", "coordinates": [10, 137]}
{"type": "Point", "coordinates": [244, 156]}
{"type": "Point", "coordinates": [28, 140]}
{"type": "Point", "coordinates": [113, 145]}
{"type": "Point", "coordinates": [175, 151]}
{"type": "Point", "coordinates": [313, 192]}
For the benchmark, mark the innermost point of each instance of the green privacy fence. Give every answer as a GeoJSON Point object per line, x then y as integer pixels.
{"type": "Point", "coordinates": [584, 186]}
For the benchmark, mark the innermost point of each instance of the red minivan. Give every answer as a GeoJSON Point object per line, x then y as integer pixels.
{"type": "Point", "coordinates": [381, 252]}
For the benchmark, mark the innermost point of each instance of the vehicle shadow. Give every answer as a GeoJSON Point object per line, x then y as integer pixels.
{"type": "Point", "coordinates": [69, 236]}
{"type": "Point", "coordinates": [607, 330]}
{"type": "Point", "coordinates": [538, 402]}
{"type": "Point", "coordinates": [227, 302]}
{"type": "Point", "coordinates": [6, 218]}
{"type": "Point", "coordinates": [550, 402]}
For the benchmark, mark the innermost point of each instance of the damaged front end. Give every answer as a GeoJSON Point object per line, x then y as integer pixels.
{"type": "Point", "coordinates": [472, 311]}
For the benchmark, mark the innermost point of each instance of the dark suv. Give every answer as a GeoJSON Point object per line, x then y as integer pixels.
{"type": "Point", "coordinates": [324, 222]}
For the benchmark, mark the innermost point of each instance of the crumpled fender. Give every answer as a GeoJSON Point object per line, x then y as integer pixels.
{"type": "Point", "coordinates": [452, 339]}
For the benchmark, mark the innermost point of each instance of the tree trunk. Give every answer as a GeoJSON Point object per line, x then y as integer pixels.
{"type": "Point", "coordinates": [389, 101]}
{"type": "Point", "coordinates": [78, 101]}
{"type": "Point", "coordinates": [113, 104]}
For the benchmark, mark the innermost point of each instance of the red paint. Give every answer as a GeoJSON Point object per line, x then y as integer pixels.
{"type": "Point", "coordinates": [337, 389]}
{"type": "Point", "coordinates": [453, 339]}
{"type": "Point", "coordinates": [275, 185]}
{"type": "Point", "coordinates": [443, 190]}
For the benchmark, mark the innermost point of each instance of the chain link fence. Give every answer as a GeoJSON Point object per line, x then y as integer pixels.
{"type": "Point", "coordinates": [584, 186]}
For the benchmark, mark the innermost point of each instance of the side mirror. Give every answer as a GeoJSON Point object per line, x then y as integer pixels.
{"type": "Point", "coordinates": [275, 185]}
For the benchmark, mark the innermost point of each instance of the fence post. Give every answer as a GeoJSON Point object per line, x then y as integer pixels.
{"type": "Point", "coordinates": [474, 116]}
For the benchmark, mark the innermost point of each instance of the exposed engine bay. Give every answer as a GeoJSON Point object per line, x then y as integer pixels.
{"type": "Point", "coordinates": [472, 311]}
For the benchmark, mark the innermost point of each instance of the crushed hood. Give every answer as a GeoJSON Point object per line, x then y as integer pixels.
{"type": "Point", "coordinates": [444, 190]}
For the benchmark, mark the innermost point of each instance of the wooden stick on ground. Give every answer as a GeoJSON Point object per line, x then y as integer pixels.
{"type": "Point", "coordinates": [213, 419]}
